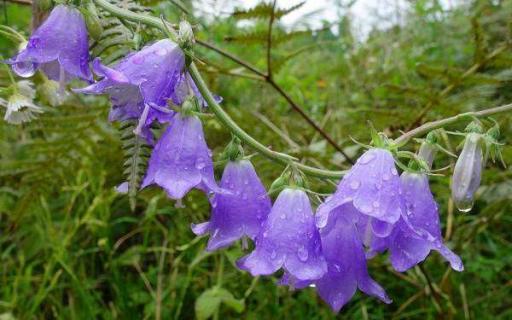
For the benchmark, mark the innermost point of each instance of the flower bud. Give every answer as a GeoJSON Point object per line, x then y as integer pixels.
{"type": "Point", "coordinates": [186, 34]}
{"type": "Point", "coordinates": [92, 20]}
{"type": "Point", "coordinates": [467, 172]}
{"type": "Point", "coordinates": [427, 152]}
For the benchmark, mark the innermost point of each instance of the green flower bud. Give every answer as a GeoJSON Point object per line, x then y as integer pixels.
{"type": "Point", "coordinates": [92, 20]}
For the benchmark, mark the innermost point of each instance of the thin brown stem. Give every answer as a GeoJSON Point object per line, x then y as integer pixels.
{"type": "Point", "coordinates": [429, 126]}
{"type": "Point", "coordinates": [281, 91]}
{"type": "Point", "coordinates": [430, 285]}
{"type": "Point", "coordinates": [269, 41]}
{"type": "Point", "coordinates": [22, 2]}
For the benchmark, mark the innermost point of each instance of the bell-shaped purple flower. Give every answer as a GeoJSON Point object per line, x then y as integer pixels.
{"type": "Point", "coordinates": [140, 85]}
{"type": "Point", "coordinates": [288, 239]}
{"type": "Point", "coordinates": [418, 231]}
{"type": "Point", "coordinates": [239, 213]}
{"type": "Point", "coordinates": [467, 172]}
{"type": "Point", "coordinates": [59, 47]}
{"type": "Point", "coordinates": [181, 159]}
{"type": "Point", "coordinates": [345, 256]}
{"type": "Point", "coordinates": [373, 187]}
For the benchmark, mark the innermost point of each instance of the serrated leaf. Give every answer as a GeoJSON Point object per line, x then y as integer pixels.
{"type": "Point", "coordinates": [264, 11]}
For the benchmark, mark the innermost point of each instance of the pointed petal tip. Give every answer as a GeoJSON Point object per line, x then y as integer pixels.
{"type": "Point", "coordinates": [200, 229]}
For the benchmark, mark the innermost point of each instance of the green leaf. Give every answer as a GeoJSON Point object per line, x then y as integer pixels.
{"type": "Point", "coordinates": [210, 300]}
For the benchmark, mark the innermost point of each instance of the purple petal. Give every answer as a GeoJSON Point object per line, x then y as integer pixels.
{"type": "Point", "coordinates": [240, 212]}
{"type": "Point", "coordinates": [180, 160]}
{"type": "Point", "coordinates": [288, 239]}
{"type": "Point", "coordinates": [419, 230]}
{"type": "Point", "coordinates": [374, 189]}
{"type": "Point", "coordinates": [345, 256]}
{"type": "Point", "coordinates": [61, 38]}
{"type": "Point", "coordinates": [145, 78]}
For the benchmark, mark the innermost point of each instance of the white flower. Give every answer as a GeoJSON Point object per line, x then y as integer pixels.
{"type": "Point", "coordinates": [20, 106]}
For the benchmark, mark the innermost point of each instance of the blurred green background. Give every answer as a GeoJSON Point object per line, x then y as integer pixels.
{"type": "Point", "coordinates": [71, 248]}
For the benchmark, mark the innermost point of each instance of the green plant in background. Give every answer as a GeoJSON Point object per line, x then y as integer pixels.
{"type": "Point", "coordinates": [69, 235]}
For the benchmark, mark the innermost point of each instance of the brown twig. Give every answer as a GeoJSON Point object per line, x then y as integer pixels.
{"type": "Point", "coordinates": [22, 2]}
{"type": "Point", "coordinates": [281, 91]}
{"type": "Point", "coordinates": [269, 41]}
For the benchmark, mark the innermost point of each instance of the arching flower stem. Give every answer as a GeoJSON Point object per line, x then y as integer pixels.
{"type": "Point", "coordinates": [278, 157]}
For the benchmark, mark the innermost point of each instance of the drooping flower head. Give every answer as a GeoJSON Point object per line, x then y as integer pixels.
{"type": "Point", "coordinates": [239, 213]}
{"type": "Point", "coordinates": [140, 85]}
{"type": "Point", "coordinates": [181, 159]}
{"type": "Point", "coordinates": [373, 187]}
{"type": "Point", "coordinates": [345, 256]}
{"type": "Point", "coordinates": [467, 172]}
{"type": "Point", "coordinates": [288, 239]}
{"type": "Point", "coordinates": [59, 47]}
{"type": "Point", "coordinates": [20, 105]}
{"type": "Point", "coordinates": [418, 231]}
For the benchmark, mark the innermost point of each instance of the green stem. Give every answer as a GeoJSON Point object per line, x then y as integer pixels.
{"type": "Point", "coordinates": [279, 157]}
{"type": "Point", "coordinates": [429, 126]}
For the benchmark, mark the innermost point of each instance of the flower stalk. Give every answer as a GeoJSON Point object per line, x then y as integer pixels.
{"type": "Point", "coordinates": [279, 157]}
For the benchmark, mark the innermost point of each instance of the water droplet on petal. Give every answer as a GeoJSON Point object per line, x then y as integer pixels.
{"type": "Point", "coordinates": [386, 177]}
{"type": "Point", "coordinates": [283, 216]}
{"type": "Point", "coordinates": [366, 158]}
{"type": "Point", "coordinates": [273, 255]}
{"type": "Point", "coordinates": [161, 52]}
{"type": "Point", "coordinates": [394, 172]}
{"type": "Point", "coordinates": [366, 209]}
{"type": "Point", "coordinates": [200, 163]}
{"type": "Point", "coordinates": [139, 59]}
{"type": "Point", "coordinates": [302, 253]}
{"type": "Point", "coordinates": [354, 185]}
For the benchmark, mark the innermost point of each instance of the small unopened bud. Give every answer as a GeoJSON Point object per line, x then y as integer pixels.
{"type": "Point", "coordinates": [234, 150]}
{"type": "Point", "coordinates": [280, 183]}
{"type": "Point", "coordinates": [92, 20]}
{"type": "Point", "coordinates": [467, 172]}
{"type": "Point", "coordinates": [22, 45]}
{"type": "Point", "coordinates": [427, 152]}
{"type": "Point", "coordinates": [186, 34]}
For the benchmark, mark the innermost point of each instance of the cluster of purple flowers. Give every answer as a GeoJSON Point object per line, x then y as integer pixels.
{"type": "Point", "coordinates": [374, 209]}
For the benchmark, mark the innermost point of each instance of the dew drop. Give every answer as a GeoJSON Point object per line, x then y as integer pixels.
{"type": "Point", "coordinates": [138, 59]}
{"type": "Point", "coordinates": [354, 185]}
{"type": "Point", "coordinates": [273, 255]}
{"type": "Point", "coordinates": [302, 253]}
{"type": "Point", "coordinates": [366, 209]}
{"type": "Point", "coordinates": [394, 172]}
{"type": "Point", "coordinates": [161, 52]}
{"type": "Point", "coordinates": [367, 158]}
{"type": "Point", "coordinates": [386, 177]}
{"type": "Point", "coordinates": [200, 163]}
{"type": "Point", "coordinates": [283, 216]}
{"type": "Point", "coordinates": [376, 204]}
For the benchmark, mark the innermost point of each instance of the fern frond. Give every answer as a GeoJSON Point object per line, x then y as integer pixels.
{"type": "Point", "coordinates": [136, 154]}
{"type": "Point", "coordinates": [264, 11]}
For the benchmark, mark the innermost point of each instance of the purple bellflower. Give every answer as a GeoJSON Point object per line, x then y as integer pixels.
{"type": "Point", "coordinates": [418, 231]}
{"type": "Point", "coordinates": [288, 239]}
{"type": "Point", "coordinates": [239, 213]}
{"type": "Point", "coordinates": [181, 159]}
{"type": "Point", "coordinates": [467, 172]}
{"type": "Point", "coordinates": [59, 47]}
{"type": "Point", "coordinates": [140, 85]}
{"type": "Point", "coordinates": [373, 187]}
{"type": "Point", "coordinates": [345, 256]}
